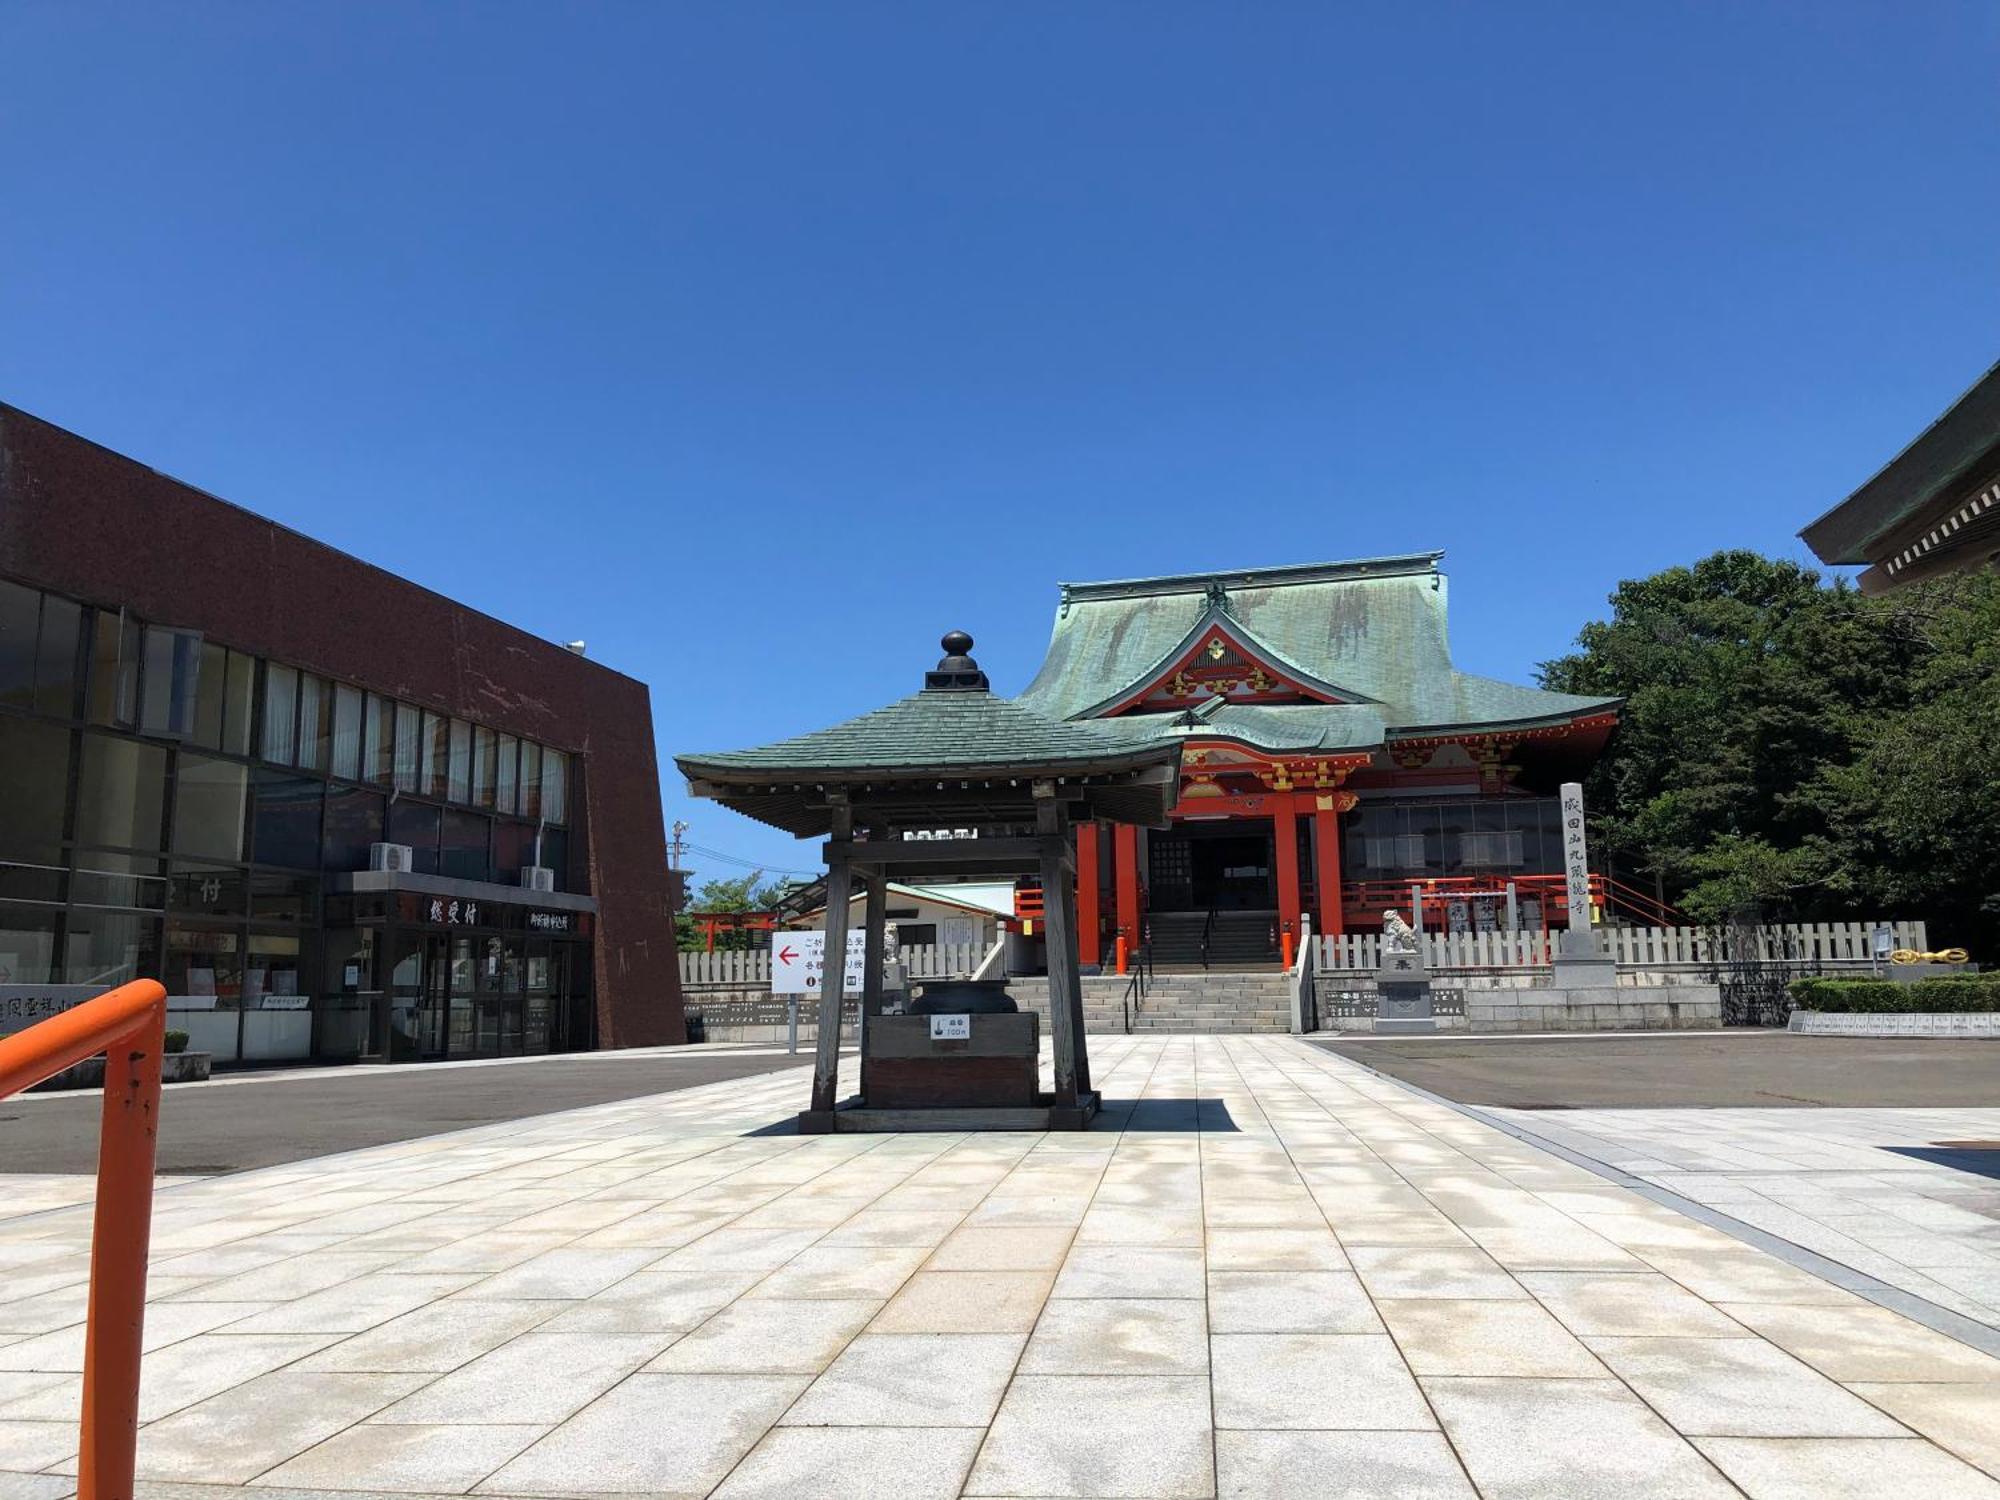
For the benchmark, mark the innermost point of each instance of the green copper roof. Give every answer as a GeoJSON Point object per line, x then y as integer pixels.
{"type": "Point", "coordinates": [936, 730]}
{"type": "Point", "coordinates": [1374, 628]}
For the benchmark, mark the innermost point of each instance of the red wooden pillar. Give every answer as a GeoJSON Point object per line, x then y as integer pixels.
{"type": "Point", "coordinates": [1087, 949]}
{"type": "Point", "coordinates": [1125, 857]}
{"type": "Point", "coordinates": [1326, 868]}
{"type": "Point", "coordinates": [1287, 822]}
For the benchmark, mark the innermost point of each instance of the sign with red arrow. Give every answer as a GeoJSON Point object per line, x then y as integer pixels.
{"type": "Point", "coordinates": [798, 960]}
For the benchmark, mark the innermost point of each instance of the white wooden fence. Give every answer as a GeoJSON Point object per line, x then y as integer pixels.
{"type": "Point", "coordinates": [751, 968]}
{"type": "Point", "coordinates": [1634, 947]}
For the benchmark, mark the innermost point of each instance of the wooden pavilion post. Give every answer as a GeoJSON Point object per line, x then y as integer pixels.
{"type": "Point", "coordinates": [1125, 853]}
{"type": "Point", "coordinates": [833, 966]}
{"type": "Point", "coordinates": [874, 947]}
{"type": "Point", "coordinates": [1071, 961]}
{"type": "Point", "coordinates": [1063, 999]}
{"type": "Point", "coordinates": [1326, 864]}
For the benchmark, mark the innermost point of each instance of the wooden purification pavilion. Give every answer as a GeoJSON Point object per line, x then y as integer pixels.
{"type": "Point", "coordinates": [949, 781]}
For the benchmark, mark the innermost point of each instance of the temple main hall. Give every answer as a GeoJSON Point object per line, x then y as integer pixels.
{"type": "Point", "coordinates": [1334, 761]}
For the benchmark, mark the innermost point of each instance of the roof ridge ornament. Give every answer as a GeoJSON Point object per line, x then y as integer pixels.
{"type": "Point", "coordinates": [1218, 599]}
{"type": "Point", "coordinates": [958, 672]}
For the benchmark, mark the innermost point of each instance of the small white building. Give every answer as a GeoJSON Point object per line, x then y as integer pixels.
{"type": "Point", "coordinates": [971, 915]}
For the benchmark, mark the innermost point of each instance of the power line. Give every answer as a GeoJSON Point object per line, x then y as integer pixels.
{"type": "Point", "coordinates": [748, 864]}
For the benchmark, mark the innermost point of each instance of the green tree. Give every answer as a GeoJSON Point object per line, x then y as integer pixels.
{"type": "Point", "coordinates": [751, 892]}
{"type": "Point", "coordinates": [1791, 745]}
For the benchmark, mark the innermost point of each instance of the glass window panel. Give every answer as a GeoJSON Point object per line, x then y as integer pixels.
{"type": "Point", "coordinates": [58, 660]}
{"type": "Point", "coordinates": [281, 714]}
{"type": "Point", "coordinates": [213, 892]}
{"type": "Point", "coordinates": [464, 851]}
{"type": "Point", "coordinates": [27, 947]}
{"type": "Point", "coordinates": [104, 878]}
{"type": "Point", "coordinates": [204, 971]}
{"type": "Point", "coordinates": [416, 824]}
{"type": "Point", "coordinates": [210, 797]}
{"type": "Point", "coordinates": [458, 784]}
{"type": "Point", "coordinates": [484, 763]}
{"type": "Point", "coordinates": [315, 721]}
{"type": "Point", "coordinates": [353, 821]}
{"type": "Point", "coordinates": [34, 789]}
{"type": "Point", "coordinates": [167, 688]}
{"type": "Point", "coordinates": [287, 827]}
{"type": "Point", "coordinates": [513, 850]}
{"type": "Point", "coordinates": [378, 740]}
{"type": "Point", "coordinates": [114, 669]}
{"type": "Point", "coordinates": [555, 855]}
{"type": "Point", "coordinates": [436, 755]}
{"type": "Point", "coordinates": [506, 797]}
{"type": "Point", "coordinates": [531, 779]}
{"type": "Point", "coordinates": [122, 793]}
{"type": "Point", "coordinates": [211, 688]}
{"type": "Point", "coordinates": [283, 897]}
{"type": "Point", "coordinates": [111, 947]}
{"type": "Point", "coordinates": [555, 786]}
{"type": "Point", "coordinates": [20, 616]}
{"type": "Point", "coordinates": [39, 879]}
{"type": "Point", "coordinates": [408, 723]}
{"type": "Point", "coordinates": [347, 731]}
{"type": "Point", "coordinates": [237, 698]}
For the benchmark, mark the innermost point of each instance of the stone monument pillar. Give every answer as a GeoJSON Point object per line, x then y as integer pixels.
{"type": "Point", "coordinates": [1402, 981]}
{"type": "Point", "coordinates": [1578, 963]}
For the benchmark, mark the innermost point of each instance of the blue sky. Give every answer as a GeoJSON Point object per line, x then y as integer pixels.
{"type": "Point", "coordinates": [759, 344]}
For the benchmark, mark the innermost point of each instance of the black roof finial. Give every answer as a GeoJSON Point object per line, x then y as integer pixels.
{"type": "Point", "coordinates": [958, 672]}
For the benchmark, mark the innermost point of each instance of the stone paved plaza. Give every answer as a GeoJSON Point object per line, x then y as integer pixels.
{"type": "Point", "coordinates": [1268, 1272]}
{"type": "Point", "coordinates": [1864, 1187]}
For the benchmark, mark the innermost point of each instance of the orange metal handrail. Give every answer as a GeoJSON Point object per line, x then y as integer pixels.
{"type": "Point", "coordinates": [128, 1025]}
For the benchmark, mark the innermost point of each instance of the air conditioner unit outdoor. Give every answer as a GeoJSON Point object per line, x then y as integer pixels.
{"type": "Point", "coordinates": [538, 878]}
{"type": "Point", "coordinates": [392, 857]}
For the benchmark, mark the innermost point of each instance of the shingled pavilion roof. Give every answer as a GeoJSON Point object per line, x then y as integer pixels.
{"type": "Point", "coordinates": [954, 739]}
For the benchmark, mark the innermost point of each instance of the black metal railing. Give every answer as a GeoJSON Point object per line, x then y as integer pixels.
{"type": "Point", "coordinates": [1139, 978]}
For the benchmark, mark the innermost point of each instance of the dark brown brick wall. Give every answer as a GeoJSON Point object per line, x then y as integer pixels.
{"type": "Point", "coordinates": [81, 520]}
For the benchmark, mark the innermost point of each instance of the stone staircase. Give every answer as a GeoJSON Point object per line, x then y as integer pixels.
{"type": "Point", "coordinates": [1215, 1001]}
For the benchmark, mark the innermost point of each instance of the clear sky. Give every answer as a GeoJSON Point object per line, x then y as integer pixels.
{"type": "Point", "coordinates": [759, 344]}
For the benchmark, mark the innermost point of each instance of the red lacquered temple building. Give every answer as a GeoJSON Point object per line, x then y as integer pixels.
{"type": "Point", "coordinates": [1334, 759]}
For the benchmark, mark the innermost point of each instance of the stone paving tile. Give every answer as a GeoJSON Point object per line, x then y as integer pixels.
{"type": "Point", "coordinates": [1133, 1271]}
{"type": "Point", "coordinates": [434, 1339]}
{"type": "Point", "coordinates": [1865, 1343]}
{"type": "Point", "coordinates": [374, 1456]}
{"type": "Point", "coordinates": [538, 1377]}
{"type": "Point", "coordinates": [36, 1444]}
{"type": "Point", "coordinates": [846, 1463]}
{"type": "Point", "coordinates": [1337, 1466]}
{"type": "Point", "coordinates": [1396, 1271]}
{"type": "Point", "coordinates": [1472, 1337]}
{"type": "Point", "coordinates": [993, 1247]}
{"type": "Point", "coordinates": [36, 1487]}
{"type": "Point", "coordinates": [1846, 1469]}
{"type": "Point", "coordinates": [771, 1337]}
{"type": "Point", "coordinates": [1568, 1440]}
{"type": "Point", "coordinates": [1099, 1435]}
{"type": "Point", "coordinates": [842, 1271]}
{"type": "Point", "coordinates": [1274, 1249]}
{"type": "Point", "coordinates": [1336, 1380]}
{"type": "Point", "coordinates": [912, 1380]}
{"type": "Point", "coordinates": [1289, 1302]}
{"type": "Point", "coordinates": [966, 1302]}
{"type": "Point", "coordinates": [1738, 1388]}
{"type": "Point", "coordinates": [237, 1435]}
{"type": "Point", "coordinates": [674, 1437]}
{"type": "Point", "coordinates": [1962, 1418]}
{"type": "Point", "coordinates": [1119, 1336]}
{"type": "Point", "coordinates": [565, 1274]}
{"type": "Point", "coordinates": [1627, 1303]}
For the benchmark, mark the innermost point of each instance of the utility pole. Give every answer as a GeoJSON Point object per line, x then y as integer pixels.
{"type": "Point", "coordinates": [679, 844]}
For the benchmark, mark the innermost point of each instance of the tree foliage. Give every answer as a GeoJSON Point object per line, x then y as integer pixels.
{"type": "Point", "coordinates": [1791, 746]}
{"type": "Point", "coordinates": [751, 892]}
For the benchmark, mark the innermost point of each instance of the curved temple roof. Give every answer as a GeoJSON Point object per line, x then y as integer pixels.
{"type": "Point", "coordinates": [1373, 628]}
